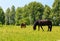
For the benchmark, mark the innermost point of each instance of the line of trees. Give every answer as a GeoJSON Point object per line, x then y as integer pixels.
{"type": "Point", "coordinates": [30, 13]}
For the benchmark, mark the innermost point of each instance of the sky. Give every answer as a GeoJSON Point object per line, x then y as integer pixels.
{"type": "Point", "coordinates": [20, 3]}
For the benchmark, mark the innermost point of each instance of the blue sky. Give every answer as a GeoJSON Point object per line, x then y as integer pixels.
{"type": "Point", "coordinates": [19, 3]}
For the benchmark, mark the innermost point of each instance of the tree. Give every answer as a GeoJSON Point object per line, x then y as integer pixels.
{"type": "Point", "coordinates": [7, 16]}
{"type": "Point", "coordinates": [47, 12]}
{"type": "Point", "coordinates": [56, 12]}
{"type": "Point", "coordinates": [29, 13]}
{"type": "Point", "coordinates": [12, 15]}
{"type": "Point", "coordinates": [2, 16]}
{"type": "Point", "coordinates": [19, 16]}
{"type": "Point", "coordinates": [35, 11]}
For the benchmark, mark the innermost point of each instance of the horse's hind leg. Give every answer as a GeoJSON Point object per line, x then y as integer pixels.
{"type": "Point", "coordinates": [42, 28]}
{"type": "Point", "coordinates": [25, 26]}
{"type": "Point", "coordinates": [50, 27]}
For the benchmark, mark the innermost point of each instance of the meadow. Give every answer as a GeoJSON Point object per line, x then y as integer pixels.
{"type": "Point", "coordinates": [16, 33]}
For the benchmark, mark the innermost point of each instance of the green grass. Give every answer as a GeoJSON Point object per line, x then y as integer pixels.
{"type": "Point", "coordinates": [15, 33]}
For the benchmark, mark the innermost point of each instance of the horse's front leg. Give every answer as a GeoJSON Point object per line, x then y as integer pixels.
{"type": "Point", "coordinates": [49, 28]}
{"type": "Point", "coordinates": [42, 28]}
{"type": "Point", "coordinates": [38, 27]}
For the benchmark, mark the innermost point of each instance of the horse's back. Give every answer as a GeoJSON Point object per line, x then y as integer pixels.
{"type": "Point", "coordinates": [44, 22]}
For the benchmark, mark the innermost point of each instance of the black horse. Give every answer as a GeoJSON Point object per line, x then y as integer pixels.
{"type": "Point", "coordinates": [23, 25]}
{"type": "Point", "coordinates": [43, 23]}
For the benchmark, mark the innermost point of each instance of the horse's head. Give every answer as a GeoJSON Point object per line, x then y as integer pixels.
{"type": "Point", "coordinates": [34, 27]}
{"type": "Point", "coordinates": [35, 24]}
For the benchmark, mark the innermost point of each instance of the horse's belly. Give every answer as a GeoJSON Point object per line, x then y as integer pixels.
{"type": "Point", "coordinates": [43, 24]}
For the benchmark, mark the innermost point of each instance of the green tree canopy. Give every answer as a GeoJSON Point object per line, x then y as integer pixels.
{"type": "Point", "coordinates": [56, 12]}
{"type": "Point", "coordinates": [2, 16]}
{"type": "Point", "coordinates": [7, 16]}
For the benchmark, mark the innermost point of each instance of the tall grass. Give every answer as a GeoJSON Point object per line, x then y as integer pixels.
{"type": "Point", "coordinates": [16, 33]}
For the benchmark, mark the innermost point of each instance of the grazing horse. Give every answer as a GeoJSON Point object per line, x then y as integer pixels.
{"type": "Point", "coordinates": [43, 23]}
{"type": "Point", "coordinates": [23, 25]}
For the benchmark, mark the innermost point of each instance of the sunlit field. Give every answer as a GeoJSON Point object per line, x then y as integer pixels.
{"type": "Point", "coordinates": [16, 33]}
